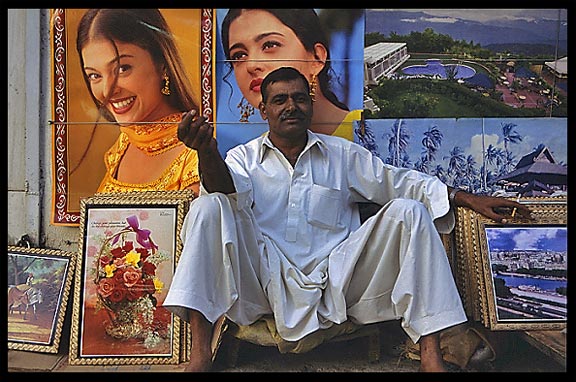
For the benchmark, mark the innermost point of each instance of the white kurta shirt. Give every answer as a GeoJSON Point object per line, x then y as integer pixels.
{"type": "Point", "coordinates": [293, 219]}
{"type": "Point", "coordinates": [309, 209]}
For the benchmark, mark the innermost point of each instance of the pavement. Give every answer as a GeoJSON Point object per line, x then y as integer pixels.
{"type": "Point", "coordinates": [528, 95]}
{"type": "Point", "coordinates": [514, 354]}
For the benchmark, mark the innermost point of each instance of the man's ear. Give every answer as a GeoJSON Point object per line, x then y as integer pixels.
{"type": "Point", "coordinates": [262, 109]}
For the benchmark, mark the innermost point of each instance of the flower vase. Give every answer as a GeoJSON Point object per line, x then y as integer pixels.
{"type": "Point", "coordinates": [126, 281]}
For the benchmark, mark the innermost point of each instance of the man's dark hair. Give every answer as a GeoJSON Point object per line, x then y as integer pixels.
{"type": "Point", "coordinates": [282, 74]}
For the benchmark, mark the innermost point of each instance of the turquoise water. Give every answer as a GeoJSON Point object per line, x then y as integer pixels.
{"type": "Point", "coordinates": [549, 285]}
{"type": "Point", "coordinates": [435, 68]}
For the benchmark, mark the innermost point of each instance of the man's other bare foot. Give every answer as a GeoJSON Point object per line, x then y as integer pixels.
{"type": "Point", "coordinates": [433, 367]}
{"type": "Point", "coordinates": [431, 360]}
{"type": "Point", "coordinates": [199, 363]}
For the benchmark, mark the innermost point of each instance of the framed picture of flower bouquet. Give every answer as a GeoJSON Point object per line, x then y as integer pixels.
{"type": "Point", "coordinates": [39, 282]}
{"type": "Point", "coordinates": [517, 273]}
{"type": "Point", "coordinates": [129, 247]}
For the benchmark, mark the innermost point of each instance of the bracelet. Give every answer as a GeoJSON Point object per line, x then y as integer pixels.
{"type": "Point", "coordinates": [453, 195]}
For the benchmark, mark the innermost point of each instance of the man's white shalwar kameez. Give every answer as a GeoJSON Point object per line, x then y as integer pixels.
{"type": "Point", "coordinates": [290, 242]}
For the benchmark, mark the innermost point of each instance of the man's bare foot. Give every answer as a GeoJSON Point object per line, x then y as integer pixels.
{"type": "Point", "coordinates": [200, 352]}
{"type": "Point", "coordinates": [199, 363]}
{"type": "Point", "coordinates": [433, 367]}
{"type": "Point", "coordinates": [430, 354]}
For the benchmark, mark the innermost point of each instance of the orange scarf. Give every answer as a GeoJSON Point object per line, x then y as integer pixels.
{"type": "Point", "coordinates": [156, 138]}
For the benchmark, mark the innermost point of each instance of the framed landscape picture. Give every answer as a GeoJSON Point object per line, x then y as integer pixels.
{"type": "Point", "coordinates": [130, 245]}
{"type": "Point", "coordinates": [39, 282]}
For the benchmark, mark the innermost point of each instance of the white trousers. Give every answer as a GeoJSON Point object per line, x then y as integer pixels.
{"type": "Point", "coordinates": [393, 267]}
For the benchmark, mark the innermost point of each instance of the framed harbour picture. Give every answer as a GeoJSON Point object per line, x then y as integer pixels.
{"type": "Point", "coordinates": [517, 272]}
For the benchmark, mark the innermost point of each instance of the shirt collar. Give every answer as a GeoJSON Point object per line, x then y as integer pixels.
{"type": "Point", "coordinates": [313, 140]}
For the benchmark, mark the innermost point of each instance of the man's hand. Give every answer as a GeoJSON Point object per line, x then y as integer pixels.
{"type": "Point", "coordinates": [196, 133]}
{"type": "Point", "coordinates": [496, 208]}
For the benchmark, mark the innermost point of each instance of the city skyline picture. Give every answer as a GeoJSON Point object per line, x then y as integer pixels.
{"type": "Point", "coordinates": [529, 272]}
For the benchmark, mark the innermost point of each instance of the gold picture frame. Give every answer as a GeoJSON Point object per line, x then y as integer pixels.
{"type": "Point", "coordinates": [514, 276]}
{"type": "Point", "coordinates": [39, 282]}
{"type": "Point", "coordinates": [129, 247]}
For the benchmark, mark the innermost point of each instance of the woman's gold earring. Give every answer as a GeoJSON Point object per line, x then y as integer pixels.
{"type": "Point", "coordinates": [166, 89]}
{"type": "Point", "coordinates": [246, 110]}
{"type": "Point", "coordinates": [313, 86]}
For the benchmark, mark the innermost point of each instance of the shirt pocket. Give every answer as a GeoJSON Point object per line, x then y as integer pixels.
{"type": "Point", "coordinates": [324, 207]}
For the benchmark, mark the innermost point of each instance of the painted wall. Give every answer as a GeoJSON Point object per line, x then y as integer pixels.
{"type": "Point", "coordinates": [28, 147]}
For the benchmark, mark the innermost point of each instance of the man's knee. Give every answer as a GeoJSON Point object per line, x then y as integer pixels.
{"type": "Point", "coordinates": [208, 205]}
{"type": "Point", "coordinates": [409, 209]}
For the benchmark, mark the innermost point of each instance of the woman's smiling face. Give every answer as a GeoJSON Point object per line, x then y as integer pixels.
{"type": "Point", "coordinates": [136, 95]}
{"type": "Point", "coordinates": [260, 43]}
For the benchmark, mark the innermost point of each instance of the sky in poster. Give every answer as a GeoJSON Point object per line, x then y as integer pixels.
{"type": "Point", "coordinates": [533, 238]}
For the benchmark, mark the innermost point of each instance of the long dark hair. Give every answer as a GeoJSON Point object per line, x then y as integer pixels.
{"type": "Point", "coordinates": [147, 29]}
{"type": "Point", "coordinates": [306, 25]}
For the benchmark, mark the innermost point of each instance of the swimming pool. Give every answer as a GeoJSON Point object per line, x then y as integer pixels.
{"type": "Point", "coordinates": [435, 68]}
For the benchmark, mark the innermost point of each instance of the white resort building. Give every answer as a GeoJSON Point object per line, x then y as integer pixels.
{"type": "Point", "coordinates": [382, 59]}
{"type": "Point", "coordinates": [559, 68]}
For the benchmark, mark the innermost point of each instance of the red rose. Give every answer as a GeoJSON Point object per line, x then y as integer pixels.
{"type": "Point", "coordinates": [104, 260]}
{"type": "Point", "coordinates": [106, 286]}
{"type": "Point", "coordinates": [131, 276]}
{"type": "Point", "coordinates": [144, 253]}
{"type": "Point", "coordinates": [119, 275]}
{"type": "Point", "coordinates": [119, 262]}
{"type": "Point", "coordinates": [128, 246]}
{"type": "Point", "coordinates": [117, 295]}
{"type": "Point", "coordinates": [117, 252]}
{"type": "Point", "coordinates": [135, 292]}
{"type": "Point", "coordinates": [148, 268]}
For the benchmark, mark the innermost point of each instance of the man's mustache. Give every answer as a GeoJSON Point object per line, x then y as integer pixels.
{"type": "Point", "coordinates": [291, 114]}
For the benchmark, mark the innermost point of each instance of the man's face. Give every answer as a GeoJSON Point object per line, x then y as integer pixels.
{"type": "Point", "coordinates": [288, 109]}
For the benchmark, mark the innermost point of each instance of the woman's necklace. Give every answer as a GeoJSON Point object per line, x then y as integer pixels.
{"type": "Point", "coordinates": [157, 138]}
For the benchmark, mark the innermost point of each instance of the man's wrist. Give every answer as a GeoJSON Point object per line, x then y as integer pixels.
{"type": "Point", "coordinates": [452, 196]}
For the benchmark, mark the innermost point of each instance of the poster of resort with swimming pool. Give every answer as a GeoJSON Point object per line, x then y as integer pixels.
{"type": "Point", "coordinates": [466, 63]}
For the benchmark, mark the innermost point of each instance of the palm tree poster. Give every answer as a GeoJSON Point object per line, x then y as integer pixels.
{"type": "Point", "coordinates": [511, 157]}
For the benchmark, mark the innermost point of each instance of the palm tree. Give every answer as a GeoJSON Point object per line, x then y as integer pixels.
{"type": "Point", "coordinates": [397, 143]}
{"type": "Point", "coordinates": [510, 135]}
{"type": "Point", "coordinates": [440, 173]}
{"type": "Point", "coordinates": [405, 162]}
{"type": "Point", "coordinates": [456, 163]}
{"type": "Point", "coordinates": [432, 141]}
{"type": "Point", "coordinates": [422, 165]}
{"type": "Point", "coordinates": [494, 155]}
{"type": "Point", "coordinates": [509, 162]}
{"type": "Point", "coordinates": [366, 137]}
{"type": "Point", "coordinates": [470, 172]}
